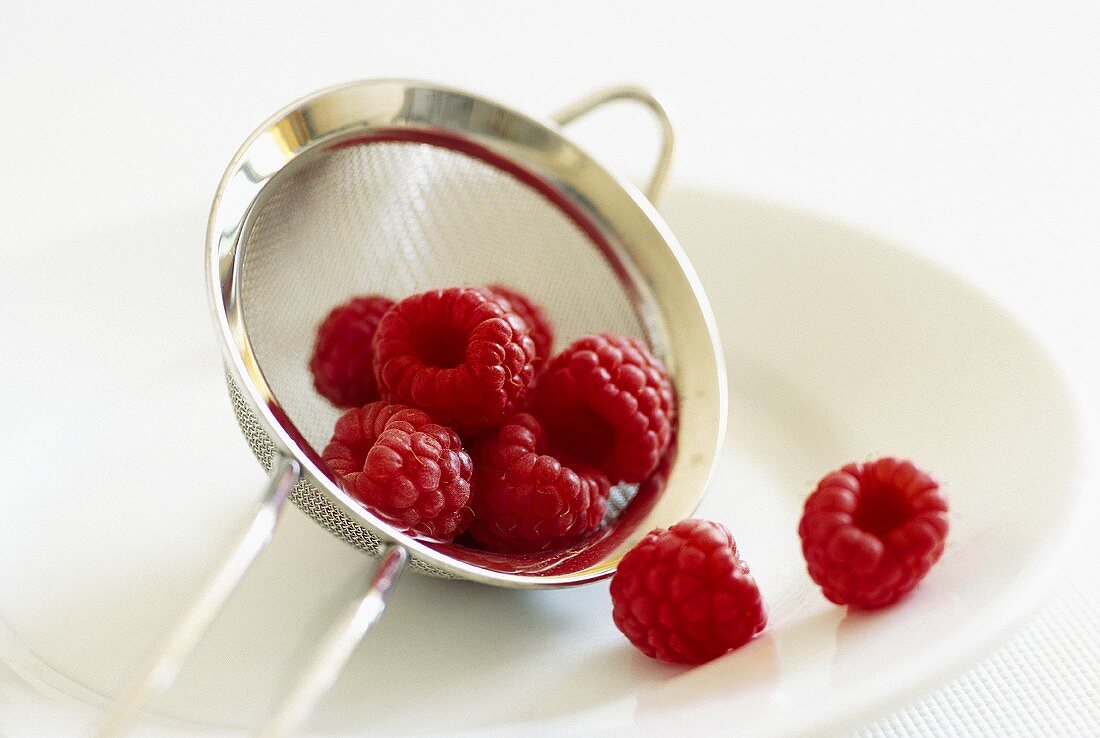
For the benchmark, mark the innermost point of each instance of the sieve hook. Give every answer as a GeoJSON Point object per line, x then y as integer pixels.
{"type": "Point", "coordinates": [597, 98]}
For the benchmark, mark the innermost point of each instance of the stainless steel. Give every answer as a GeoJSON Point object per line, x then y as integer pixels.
{"type": "Point", "coordinates": [167, 661]}
{"type": "Point", "coordinates": [601, 97]}
{"type": "Point", "coordinates": [330, 659]}
{"type": "Point", "coordinates": [393, 187]}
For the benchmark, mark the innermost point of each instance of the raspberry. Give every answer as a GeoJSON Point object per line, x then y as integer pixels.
{"type": "Point", "coordinates": [403, 467]}
{"type": "Point", "coordinates": [606, 402]}
{"type": "Point", "coordinates": [342, 363]}
{"type": "Point", "coordinates": [457, 354]}
{"type": "Point", "coordinates": [870, 532]}
{"type": "Point", "coordinates": [533, 315]}
{"type": "Point", "coordinates": [525, 501]}
{"type": "Point", "coordinates": [683, 594]}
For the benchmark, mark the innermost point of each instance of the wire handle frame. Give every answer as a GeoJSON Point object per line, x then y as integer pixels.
{"type": "Point", "coordinates": [333, 654]}
{"type": "Point", "coordinates": [168, 660]}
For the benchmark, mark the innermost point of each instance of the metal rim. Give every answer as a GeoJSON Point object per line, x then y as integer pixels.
{"type": "Point", "coordinates": [648, 249]}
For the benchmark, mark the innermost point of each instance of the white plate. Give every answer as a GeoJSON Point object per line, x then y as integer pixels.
{"type": "Point", "coordinates": [126, 474]}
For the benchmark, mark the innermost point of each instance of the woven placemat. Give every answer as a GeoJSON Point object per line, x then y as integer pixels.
{"type": "Point", "coordinates": [1044, 682]}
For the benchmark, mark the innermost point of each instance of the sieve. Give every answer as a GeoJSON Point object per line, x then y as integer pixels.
{"type": "Point", "coordinates": [395, 187]}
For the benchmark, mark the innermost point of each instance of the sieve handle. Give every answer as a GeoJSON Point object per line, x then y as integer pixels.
{"type": "Point", "coordinates": [593, 100]}
{"type": "Point", "coordinates": [334, 652]}
{"type": "Point", "coordinates": [166, 663]}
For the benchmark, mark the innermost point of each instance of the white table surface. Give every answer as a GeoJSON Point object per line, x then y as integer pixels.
{"type": "Point", "coordinates": [970, 134]}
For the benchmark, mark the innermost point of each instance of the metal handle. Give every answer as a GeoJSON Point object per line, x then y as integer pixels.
{"type": "Point", "coordinates": [167, 661]}
{"type": "Point", "coordinates": [590, 102]}
{"type": "Point", "coordinates": [336, 649]}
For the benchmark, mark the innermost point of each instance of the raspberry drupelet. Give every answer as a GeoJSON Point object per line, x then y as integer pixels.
{"type": "Point", "coordinates": [343, 358]}
{"type": "Point", "coordinates": [871, 531]}
{"type": "Point", "coordinates": [607, 402]}
{"type": "Point", "coordinates": [457, 354]}
{"type": "Point", "coordinates": [526, 501]}
{"type": "Point", "coordinates": [542, 333]}
{"type": "Point", "coordinates": [403, 467]}
{"type": "Point", "coordinates": [683, 594]}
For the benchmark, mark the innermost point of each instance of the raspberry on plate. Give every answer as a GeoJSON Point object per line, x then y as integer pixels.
{"type": "Point", "coordinates": [403, 467]}
{"type": "Point", "coordinates": [526, 501]}
{"type": "Point", "coordinates": [542, 333]}
{"type": "Point", "coordinates": [871, 531]}
{"type": "Point", "coordinates": [457, 354]}
{"type": "Point", "coordinates": [683, 595]}
{"type": "Point", "coordinates": [343, 360]}
{"type": "Point", "coordinates": [607, 402]}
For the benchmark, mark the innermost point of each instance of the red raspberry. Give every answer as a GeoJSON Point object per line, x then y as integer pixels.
{"type": "Point", "coordinates": [343, 360]}
{"type": "Point", "coordinates": [525, 501]}
{"type": "Point", "coordinates": [683, 594]}
{"type": "Point", "coordinates": [403, 467]}
{"type": "Point", "coordinates": [532, 313]}
{"type": "Point", "coordinates": [606, 402]}
{"type": "Point", "coordinates": [870, 532]}
{"type": "Point", "coordinates": [456, 354]}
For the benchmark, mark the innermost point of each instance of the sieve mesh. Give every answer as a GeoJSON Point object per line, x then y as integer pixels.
{"type": "Point", "coordinates": [308, 498]}
{"type": "Point", "coordinates": [395, 218]}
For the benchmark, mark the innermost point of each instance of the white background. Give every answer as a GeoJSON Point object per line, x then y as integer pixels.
{"type": "Point", "coordinates": [969, 133]}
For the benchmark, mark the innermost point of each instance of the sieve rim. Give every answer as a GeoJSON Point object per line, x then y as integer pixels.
{"type": "Point", "coordinates": [346, 112]}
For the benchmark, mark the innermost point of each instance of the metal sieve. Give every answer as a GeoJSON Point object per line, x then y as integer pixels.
{"type": "Point", "coordinates": [395, 187]}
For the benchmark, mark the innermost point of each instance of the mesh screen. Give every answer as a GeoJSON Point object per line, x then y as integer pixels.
{"type": "Point", "coordinates": [308, 498]}
{"type": "Point", "coordinates": [396, 218]}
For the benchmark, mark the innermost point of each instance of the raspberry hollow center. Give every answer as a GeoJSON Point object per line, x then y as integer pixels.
{"type": "Point", "coordinates": [442, 346]}
{"type": "Point", "coordinates": [880, 510]}
{"type": "Point", "coordinates": [583, 435]}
